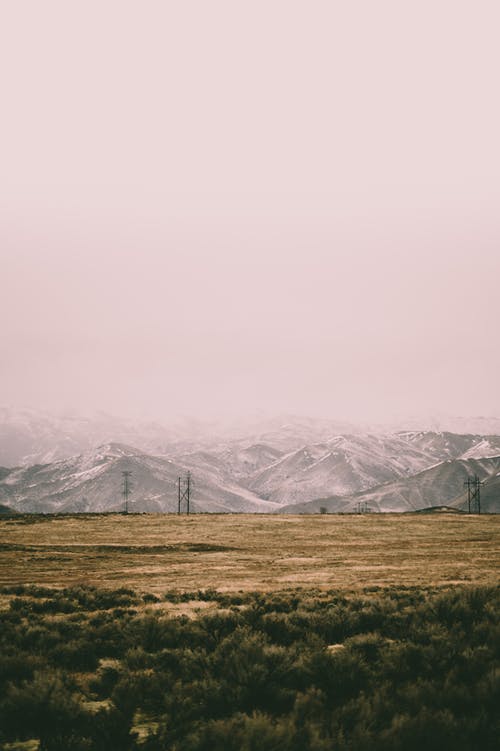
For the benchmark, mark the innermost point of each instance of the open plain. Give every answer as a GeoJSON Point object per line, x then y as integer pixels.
{"type": "Point", "coordinates": [157, 553]}
{"type": "Point", "coordinates": [229, 632]}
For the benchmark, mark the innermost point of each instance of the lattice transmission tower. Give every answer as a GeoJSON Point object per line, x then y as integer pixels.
{"type": "Point", "coordinates": [184, 489]}
{"type": "Point", "coordinates": [126, 487]}
{"type": "Point", "coordinates": [473, 485]}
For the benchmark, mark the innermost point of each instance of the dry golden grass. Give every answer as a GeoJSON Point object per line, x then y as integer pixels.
{"type": "Point", "coordinates": [157, 553]}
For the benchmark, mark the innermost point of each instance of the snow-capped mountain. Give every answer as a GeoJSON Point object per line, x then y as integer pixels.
{"type": "Point", "coordinates": [30, 436]}
{"type": "Point", "coordinates": [441, 485]}
{"type": "Point", "coordinates": [343, 465]}
{"type": "Point", "coordinates": [92, 481]}
{"type": "Point", "coordinates": [63, 466]}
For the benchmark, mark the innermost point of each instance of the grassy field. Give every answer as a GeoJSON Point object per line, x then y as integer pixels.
{"type": "Point", "coordinates": [231, 632]}
{"type": "Point", "coordinates": [158, 553]}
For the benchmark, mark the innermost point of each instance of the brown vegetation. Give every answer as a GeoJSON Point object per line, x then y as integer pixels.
{"type": "Point", "coordinates": [158, 553]}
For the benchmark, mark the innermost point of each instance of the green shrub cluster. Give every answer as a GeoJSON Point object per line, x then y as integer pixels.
{"type": "Point", "coordinates": [70, 600]}
{"type": "Point", "coordinates": [379, 671]}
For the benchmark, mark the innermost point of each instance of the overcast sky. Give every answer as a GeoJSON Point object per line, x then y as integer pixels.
{"type": "Point", "coordinates": [219, 207]}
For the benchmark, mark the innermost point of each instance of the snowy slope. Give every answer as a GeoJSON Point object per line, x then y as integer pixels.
{"type": "Point", "coordinates": [440, 445]}
{"type": "Point", "coordinates": [30, 436]}
{"type": "Point", "coordinates": [444, 445]}
{"type": "Point", "coordinates": [276, 462]}
{"type": "Point", "coordinates": [92, 482]}
{"type": "Point", "coordinates": [483, 447]}
{"type": "Point", "coordinates": [441, 485]}
{"type": "Point", "coordinates": [341, 466]}
{"type": "Point", "coordinates": [244, 461]}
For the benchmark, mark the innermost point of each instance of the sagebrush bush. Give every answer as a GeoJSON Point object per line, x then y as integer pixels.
{"type": "Point", "coordinates": [379, 671]}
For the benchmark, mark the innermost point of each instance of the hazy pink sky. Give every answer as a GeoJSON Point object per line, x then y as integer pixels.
{"type": "Point", "coordinates": [217, 207]}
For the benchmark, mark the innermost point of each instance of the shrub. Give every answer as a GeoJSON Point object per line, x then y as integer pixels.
{"type": "Point", "coordinates": [43, 708]}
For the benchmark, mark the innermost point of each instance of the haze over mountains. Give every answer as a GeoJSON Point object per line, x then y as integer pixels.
{"type": "Point", "coordinates": [290, 465]}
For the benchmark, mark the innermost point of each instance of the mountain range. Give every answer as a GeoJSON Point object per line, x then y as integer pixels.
{"type": "Point", "coordinates": [291, 465]}
{"type": "Point", "coordinates": [438, 486]}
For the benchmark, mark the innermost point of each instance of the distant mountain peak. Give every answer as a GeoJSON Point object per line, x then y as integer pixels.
{"type": "Point", "coordinates": [116, 449]}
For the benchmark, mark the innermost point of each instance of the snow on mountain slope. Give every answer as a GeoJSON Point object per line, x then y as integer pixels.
{"type": "Point", "coordinates": [452, 446]}
{"type": "Point", "coordinates": [341, 466]}
{"type": "Point", "coordinates": [440, 445]}
{"type": "Point", "coordinates": [93, 482]}
{"type": "Point", "coordinates": [483, 447]}
{"type": "Point", "coordinates": [279, 461]}
{"type": "Point", "coordinates": [229, 465]}
{"type": "Point", "coordinates": [30, 436]}
{"type": "Point", "coordinates": [441, 485]}
{"type": "Point", "coordinates": [246, 460]}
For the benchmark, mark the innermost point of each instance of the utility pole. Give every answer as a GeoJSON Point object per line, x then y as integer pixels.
{"type": "Point", "coordinates": [473, 485]}
{"type": "Point", "coordinates": [184, 487]}
{"type": "Point", "coordinates": [127, 487]}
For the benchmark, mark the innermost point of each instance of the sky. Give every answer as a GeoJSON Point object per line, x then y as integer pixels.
{"type": "Point", "coordinates": [226, 208]}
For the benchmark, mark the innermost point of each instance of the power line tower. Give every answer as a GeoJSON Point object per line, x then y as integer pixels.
{"type": "Point", "coordinates": [184, 489]}
{"type": "Point", "coordinates": [127, 487]}
{"type": "Point", "coordinates": [363, 508]}
{"type": "Point", "coordinates": [473, 485]}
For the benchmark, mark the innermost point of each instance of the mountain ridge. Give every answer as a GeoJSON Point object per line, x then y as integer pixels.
{"type": "Point", "coordinates": [91, 482]}
{"type": "Point", "coordinates": [239, 473]}
{"type": "Point", "coordinates": [29, 436]}
{"type": "Point", "coordinates": [440, 485]}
